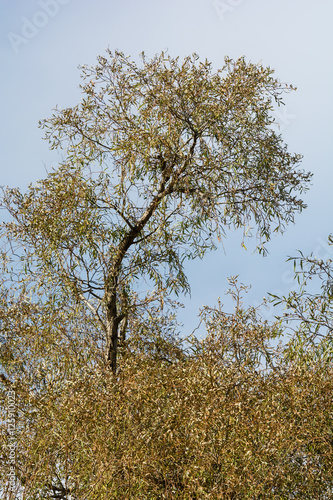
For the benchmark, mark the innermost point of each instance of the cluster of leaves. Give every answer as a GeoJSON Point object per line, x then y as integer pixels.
{"type": "Point", "coordinates": [309, 311]}
{"type": "Point", "coordinates": [229, 416]}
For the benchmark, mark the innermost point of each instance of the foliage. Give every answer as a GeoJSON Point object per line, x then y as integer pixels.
{"type": "Point", "coordinates": [222, 417]}
{"type": "Point", "coordinates": [110, 401]}
{"type": "Point", "coordinates": [309, 311]}
{"type": "Point", "coordinates": [159, 160]}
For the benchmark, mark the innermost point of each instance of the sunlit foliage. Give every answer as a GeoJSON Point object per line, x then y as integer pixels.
{"type": "Point", "coordinates": [110, 398]}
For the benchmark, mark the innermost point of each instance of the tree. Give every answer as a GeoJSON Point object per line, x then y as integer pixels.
{"type": "Point", "coordinates": [159, 160]}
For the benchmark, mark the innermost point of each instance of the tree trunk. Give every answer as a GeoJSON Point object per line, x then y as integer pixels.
{"type": "Point", "coordinates": [112, 344]}
{"type": "Point", "coordinates": [112, 323]}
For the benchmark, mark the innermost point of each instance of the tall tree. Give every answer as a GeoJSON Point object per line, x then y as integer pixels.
{"type": "Point", "coordinates": [159, 159]}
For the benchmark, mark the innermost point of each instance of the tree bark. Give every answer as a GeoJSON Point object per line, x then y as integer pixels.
{"type": "Point", "coordinates": [112, 322]}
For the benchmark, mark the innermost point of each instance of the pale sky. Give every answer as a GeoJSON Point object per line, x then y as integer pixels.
{"type": "Point", "coordinates": [43, 42]}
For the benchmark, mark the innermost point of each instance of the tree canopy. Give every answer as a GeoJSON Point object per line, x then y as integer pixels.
{"type": "Point", "coordinates": [159, 160]}
{"type": "Point", "coordinates": [104, 395]}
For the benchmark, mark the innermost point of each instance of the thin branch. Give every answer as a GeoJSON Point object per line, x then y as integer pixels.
{"type": "Point", "coordinates": [94, 311]}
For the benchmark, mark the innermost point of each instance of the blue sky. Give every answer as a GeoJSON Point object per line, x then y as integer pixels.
{"type": "Point", "coordinates": [43, 41]}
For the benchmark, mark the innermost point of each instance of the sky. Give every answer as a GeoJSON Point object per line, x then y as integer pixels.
{"type": "Point", "coordinates": [43, 42]}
